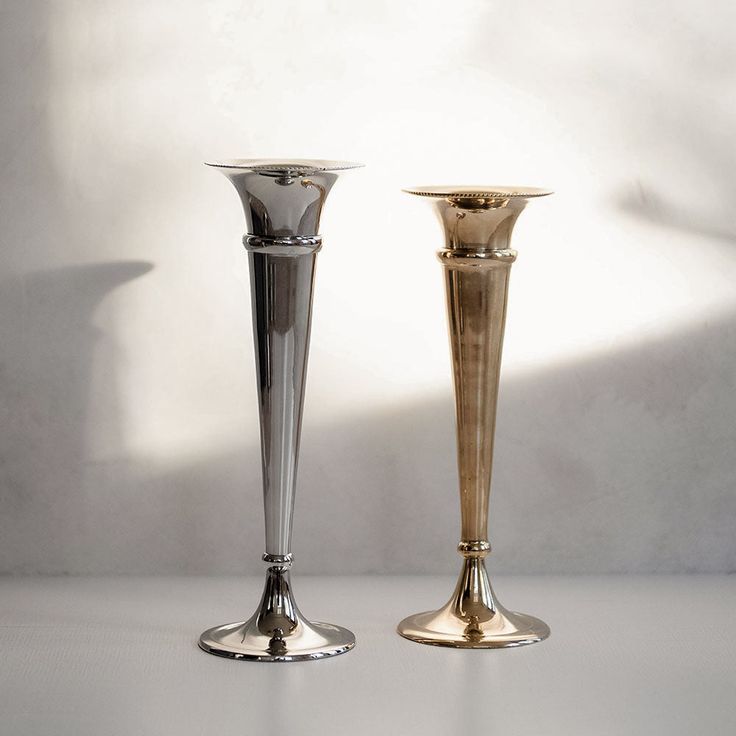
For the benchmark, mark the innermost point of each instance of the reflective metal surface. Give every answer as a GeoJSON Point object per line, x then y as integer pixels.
{"type": "Point", "coordinates": [282, 198]}
{"type": "Point", "coordinates": [277, 631]}
{"type": "Point", "coordinates": [473, 618]}
{"type": "Point", "coordinates": [477, 259]}
{"type": "Point", "coordinates": [283, 201]}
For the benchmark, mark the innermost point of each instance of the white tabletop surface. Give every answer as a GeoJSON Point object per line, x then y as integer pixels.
{"type": "Point", "coordinates": [628, 655]}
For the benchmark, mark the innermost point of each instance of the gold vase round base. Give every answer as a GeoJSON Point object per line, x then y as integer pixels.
{"type": "Point", "coordinates": [473, 618]}
{"type": "Point", "coordinates": [445, 629]}
{"type": "Point", "coordinates": [277, 631]}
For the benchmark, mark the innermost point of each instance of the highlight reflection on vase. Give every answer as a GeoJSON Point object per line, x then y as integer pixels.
{"type": "Point", "coordinates": [283, 201]}
{"type": "Point", "coordinates": [476, 261]}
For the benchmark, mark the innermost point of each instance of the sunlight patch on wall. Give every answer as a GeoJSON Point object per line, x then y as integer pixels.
{"type": "Point", "coordinates": [619, 254]}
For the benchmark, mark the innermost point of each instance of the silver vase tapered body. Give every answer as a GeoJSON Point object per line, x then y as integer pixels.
{"type": "Point", "coordinates": [283, 200]}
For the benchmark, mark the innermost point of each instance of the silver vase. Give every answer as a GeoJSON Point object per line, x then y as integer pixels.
{"type": "Point", "coordinates": [283, 200]}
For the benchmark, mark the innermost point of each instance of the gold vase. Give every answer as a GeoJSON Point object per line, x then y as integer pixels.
{"type": "Point", "coordinates": [476, 262]}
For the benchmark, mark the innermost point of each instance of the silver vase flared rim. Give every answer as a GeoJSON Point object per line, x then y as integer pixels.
{"type": "Point", "coordinates": [479, 192]}
{"type": "Point", "coordinates": [284, 165]}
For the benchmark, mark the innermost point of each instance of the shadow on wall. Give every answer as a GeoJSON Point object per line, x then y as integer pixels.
{"type": "Point", "coordinates": [49, 346]}
{"type": "Point", "coordinates": [648, 204]}
{"type": "Point", "coordinates": [596, 468]}
{"type": "Point", "coordinates": [698, 197]}
{"type": "Point", "coordinates": [687, 178]}
{"type": "Point", "coordinates": [622, 487]}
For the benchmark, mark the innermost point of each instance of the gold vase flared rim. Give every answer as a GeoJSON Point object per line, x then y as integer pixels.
{"type": "Point", "coordinates": [283, 165]}
{"type": "Point", "coordinates": [479, 192]}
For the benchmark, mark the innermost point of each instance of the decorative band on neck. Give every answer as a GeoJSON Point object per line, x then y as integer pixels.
{"type": "Point", "coordinates": [285, 245]}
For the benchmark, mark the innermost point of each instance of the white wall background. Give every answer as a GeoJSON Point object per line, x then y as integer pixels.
{"type": "Point", "coordinates": [128, 421]}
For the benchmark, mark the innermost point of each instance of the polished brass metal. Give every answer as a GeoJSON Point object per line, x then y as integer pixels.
{"type": "Point", "coordinates": [477, 259]}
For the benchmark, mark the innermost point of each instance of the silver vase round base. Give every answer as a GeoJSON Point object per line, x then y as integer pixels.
{"type": "Point", "coordinates": [473, 618]}
{"type": "Point", "coordinates": [277, 632]}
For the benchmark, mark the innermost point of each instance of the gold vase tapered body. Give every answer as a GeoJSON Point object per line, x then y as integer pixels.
{"type": "Point", "coordinates": [476, 262]}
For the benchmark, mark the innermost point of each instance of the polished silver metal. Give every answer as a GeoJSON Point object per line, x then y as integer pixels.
{"type": "Point", "coordinates": [277, 632]}
{"type": "Point", "coordinates": [283, 201]}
